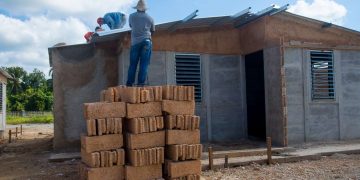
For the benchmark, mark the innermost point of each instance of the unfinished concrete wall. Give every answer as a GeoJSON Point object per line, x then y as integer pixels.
{"type": "Point", "coordinates": [293, 63]}
{"type": "Point", "coordinates": [3, 110]}
{"type": "Point", "coordinates": [80, 73]}
{"type": "Point", "coordinates": [225, 99]}
{"type": "Point", "coordinates": [273, 97]}
{"type": "Point", "coordinates": [349, 94]}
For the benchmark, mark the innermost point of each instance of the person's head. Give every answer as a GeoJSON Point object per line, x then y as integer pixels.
{"type": "Point", "coordinates": [100, 21]}
{"type": "Point", "coordinates": [141, 6]}
{"type": "Point", "coordinates": [98, 28]}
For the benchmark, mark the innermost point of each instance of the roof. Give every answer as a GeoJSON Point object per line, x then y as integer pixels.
{"type": "Point", "coordinates": [4, 73]}
{"type": "Point", "coordinates": [237, 21]}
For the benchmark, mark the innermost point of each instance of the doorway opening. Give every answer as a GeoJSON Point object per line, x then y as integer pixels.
{"type": "Point", "coordinates": [255, 95]}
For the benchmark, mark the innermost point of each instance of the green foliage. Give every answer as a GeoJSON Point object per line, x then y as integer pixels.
{"type": "Point", "coordinates": [14, 120]}
{"type": "Point", "coordinates": [28, 91]}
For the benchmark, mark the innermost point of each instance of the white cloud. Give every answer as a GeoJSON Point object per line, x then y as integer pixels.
{"type": "Point", "coordinates": [325, 10]}
{"type": "Point", "coordinates": [24, 41]}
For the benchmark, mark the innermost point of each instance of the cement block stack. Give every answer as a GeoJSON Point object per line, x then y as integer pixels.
{"type": "Point", "coordinates": [102, 153]}
{"type": "Point", "coordinates": [183, 148]}
{"type": "Point", "coordinates": [145, 135]}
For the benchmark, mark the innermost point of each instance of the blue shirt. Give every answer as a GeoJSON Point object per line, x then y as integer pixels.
{"type": "Point", "coordinates": [141, 27]}
{"type": "Point", "coordinates": [115, 20]}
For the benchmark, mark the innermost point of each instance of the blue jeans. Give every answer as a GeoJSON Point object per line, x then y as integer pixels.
{"type": "Point", "coordinates": [139, 52]}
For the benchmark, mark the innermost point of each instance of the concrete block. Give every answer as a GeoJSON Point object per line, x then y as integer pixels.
{"type": "Point", "coordinates": [144, 96]}
{"type": "Point", "coordinates": [178, 107]}
{"type": "Point", "coordinates": [143, 172]}
{"type": "Point", "coordinates": [188, 177]}
{"type": "Point", "coordinates": [143, 110]}
{"type": "Point", "coordinates": [103, 158]}
{"type": "Point", "coordinates": [144, 125]}
{"type": "Point", "coordinates": [104, 110]}
{"type": "Point", "coordinates": [146, 157]}
{"type": "Point", "coordinates": [101, 143]}
{"type": "Point", "coordinates": [145, 140]}
{"type": "Point", "coordinates": [182, 122]}
{"type": "Point", "coordinates": [184, 152]}
{"type": "Point", "coordinates": [182, 168]}
{"type": "Point", "coordinates": [182, 137]}
{"type": "Point", "coordinates": [108, 173]}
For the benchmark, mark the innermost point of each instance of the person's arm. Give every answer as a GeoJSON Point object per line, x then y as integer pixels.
{"type": "Point", "coordinates": [152, 30]}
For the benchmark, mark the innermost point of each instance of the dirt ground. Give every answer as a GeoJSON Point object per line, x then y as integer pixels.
{"type": "Point", "coordinates": [27, 158]}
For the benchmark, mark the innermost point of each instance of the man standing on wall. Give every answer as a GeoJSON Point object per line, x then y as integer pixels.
{"type": "Point", "coordinates": [142, 27]}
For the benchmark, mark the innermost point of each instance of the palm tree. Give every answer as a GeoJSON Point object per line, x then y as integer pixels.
{"type": "Point", "coordinates": [15, 85]}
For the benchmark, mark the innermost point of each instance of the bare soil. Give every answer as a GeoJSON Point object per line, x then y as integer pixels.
{"type": "Point", "coordinates": [337, 166]}
{"type": "Point", "coordinates": [27, 158]}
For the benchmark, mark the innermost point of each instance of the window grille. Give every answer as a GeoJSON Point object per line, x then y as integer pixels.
{"type": "Point", "coordinates": [188, 72]}
{"type": "Point", "coordinates": [322, 75]}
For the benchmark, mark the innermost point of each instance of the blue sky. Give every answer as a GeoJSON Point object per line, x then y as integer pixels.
{"type": "Point", "coordinates": [29, 27]}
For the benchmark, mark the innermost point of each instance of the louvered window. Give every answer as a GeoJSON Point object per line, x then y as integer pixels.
{"type": "Point", "coordinates": [188, 72]}
{"type": "Point", "coordinates": [1, 98]}
{"type": "Point", "coordinates": [322, 75]}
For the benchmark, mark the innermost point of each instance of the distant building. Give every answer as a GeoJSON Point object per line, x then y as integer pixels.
{"type": "Point", "coordinates": [3, 81]}
{"type": "Point", "coordinates": [272, 73]}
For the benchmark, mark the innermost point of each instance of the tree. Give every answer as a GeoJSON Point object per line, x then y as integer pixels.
{"type": "Point", "coordinates": [16, 84]}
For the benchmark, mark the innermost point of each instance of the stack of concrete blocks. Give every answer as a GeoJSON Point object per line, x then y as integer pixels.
{"type": "Point", "coordinates": [145, 134]}
{"type": "Point", "coordinates": [183, 148]}
{"type": "Point", "coordinates": [102, 153]}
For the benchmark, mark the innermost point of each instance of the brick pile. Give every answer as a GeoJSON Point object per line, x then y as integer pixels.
{"type": "Point", "coordinates": [128, 130]}
{"type": "Point", "coordinates": [183, 148]}
{"type": "Point", "coordinates": [102, 153]}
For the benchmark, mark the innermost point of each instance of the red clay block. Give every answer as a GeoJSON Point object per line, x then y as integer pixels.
{"type": "Point", "coordinates": [143, 172]}
{"type": "Point", "coordinates": [182, 168]}
{"type": "Point", "coordinates": [144, 110]}
{"type": "Point", "coordinates": [188, 177]}
{"type": "Point", "coordinates": [178, 107]}
{"type": "Point", "coordinates": [145, 140]}
{"type": "Point", "coordinates": [130, 94]}
{"type": "Point", "coordinates": [110, 95]}
{"type": "Point", "coordinates": [184, 152]}
{"type": "Point", "coordinates": [145, 157]}
{"type": "Point", "coordinates": [108, 173]}
{"type": "Point", "coordinates": [91, 127]}
{"type": "Point", "coordinates": [182, 137]}
{"type": "Point", "coordinates": [102, 95]}
{"type": "Point", "coordinates": [104, 110]}
{"type": "Point", "coordinates": [117, 91]}
{"type": "Point", "coordinates": [101, 143]}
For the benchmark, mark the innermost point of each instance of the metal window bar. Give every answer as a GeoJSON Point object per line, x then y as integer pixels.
{"type": "Point", "coordinates": [322, 75]}
{"type": "Point", "coordinates": [188, 72]}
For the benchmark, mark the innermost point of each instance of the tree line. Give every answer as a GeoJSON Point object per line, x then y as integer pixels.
{"type": "Point", "coordinates": [28, 91]}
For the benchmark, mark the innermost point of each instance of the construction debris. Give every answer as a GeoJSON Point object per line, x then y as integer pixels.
{"type": "Point", "coordinates": [134, 131]}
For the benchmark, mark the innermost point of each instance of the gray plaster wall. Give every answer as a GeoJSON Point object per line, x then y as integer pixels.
{"type": "Point", "coordinates": [349, 95]}
{"type": "Point", "coordinates": [325, 120]}
{"type": "Point", "coordinates": [225, 98]}
{"type": "Point", "coordinates": [273, 98]}
{"type": "Point", "coordinates": [80, 73]}
{"type": "Point", "coordinates": [222, 109]}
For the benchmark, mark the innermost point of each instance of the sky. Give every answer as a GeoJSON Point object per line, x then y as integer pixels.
{"type": "Point", "coordinates": [29, 27]}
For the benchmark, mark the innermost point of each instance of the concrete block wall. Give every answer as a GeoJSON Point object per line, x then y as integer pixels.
{"type": "Point", "coordinates": [223, 105]}
{"type": "Point", "coordinates": [309, 120]}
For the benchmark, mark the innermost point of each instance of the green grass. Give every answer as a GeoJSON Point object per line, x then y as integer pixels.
{"type": "Point", "coordinates": [45, 119]}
